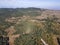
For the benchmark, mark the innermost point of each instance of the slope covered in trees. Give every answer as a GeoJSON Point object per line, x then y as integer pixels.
{"type": "Point", "coordinates": [31, 25]}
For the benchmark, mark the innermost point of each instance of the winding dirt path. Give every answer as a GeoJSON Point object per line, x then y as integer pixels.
{"type": "Point", "coordinates": [11, 36]}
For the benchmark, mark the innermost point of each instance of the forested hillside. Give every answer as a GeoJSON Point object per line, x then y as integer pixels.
{"type": "Point", "coordinates": [28, 26]}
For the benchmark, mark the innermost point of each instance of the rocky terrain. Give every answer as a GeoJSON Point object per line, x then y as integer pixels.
{"type": "Point", "coordinates": [30, 26]}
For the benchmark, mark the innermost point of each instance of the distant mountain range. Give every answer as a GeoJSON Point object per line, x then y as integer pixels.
{"type": "Point", "coordinates": [38, 12]}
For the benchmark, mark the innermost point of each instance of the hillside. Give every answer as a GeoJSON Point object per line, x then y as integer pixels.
{"type": "Point", "coordinates": [30, 26]}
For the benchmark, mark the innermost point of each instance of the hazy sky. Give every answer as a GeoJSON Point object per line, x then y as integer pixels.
{"type": "Point", "coordinates": [50, 4]}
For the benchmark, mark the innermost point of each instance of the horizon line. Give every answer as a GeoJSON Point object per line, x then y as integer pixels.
{"type": "Point", "coordinates": [28, 7]}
